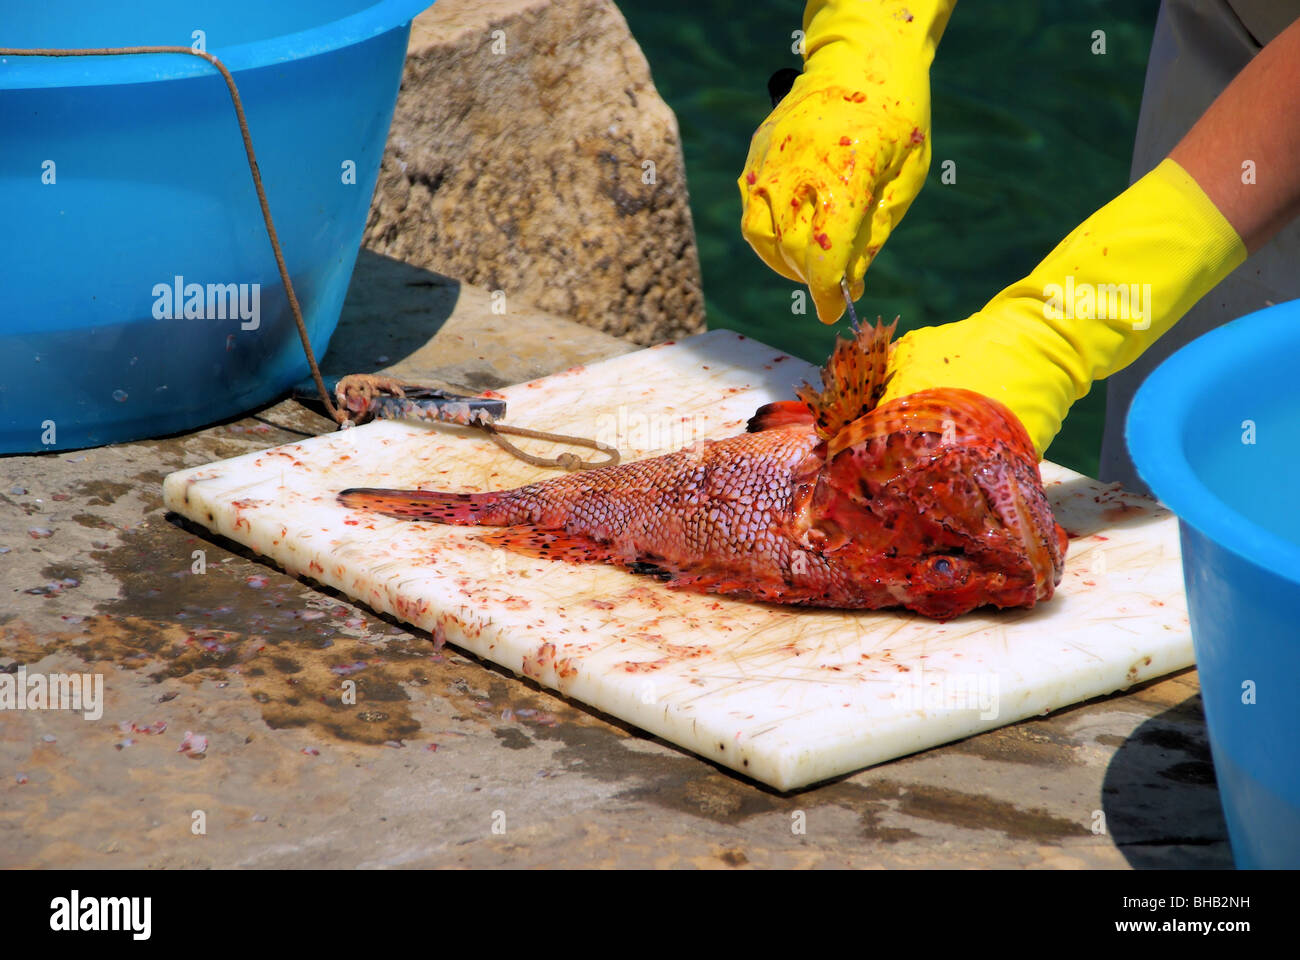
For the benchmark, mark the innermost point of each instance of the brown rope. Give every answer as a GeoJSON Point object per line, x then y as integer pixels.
{"type": "Point", "coordinates": [566, 461]}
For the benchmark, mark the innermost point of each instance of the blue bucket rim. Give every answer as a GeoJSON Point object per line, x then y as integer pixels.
{"type": "Point", "coordinates": [1154, 434]}
{"type": "Point", "coordinates": [28, 73]}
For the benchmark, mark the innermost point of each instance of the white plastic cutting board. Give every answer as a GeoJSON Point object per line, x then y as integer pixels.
{"type": "Point", "coordinates": [788, 696]}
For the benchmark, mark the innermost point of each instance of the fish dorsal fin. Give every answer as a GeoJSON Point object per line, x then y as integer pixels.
{"type": "Point", "coordinates": [782, 413]}
{"type": "Point", "coordinates": [852, 380]}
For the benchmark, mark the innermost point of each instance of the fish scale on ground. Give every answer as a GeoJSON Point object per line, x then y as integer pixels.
{"type": "Point", "coordinates": [932, 501]}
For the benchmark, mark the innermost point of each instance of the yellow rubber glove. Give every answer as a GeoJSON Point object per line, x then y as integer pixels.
{"type": "Point", "coordinates": [1108, 290]}
{"type": "Point", "coordinates": [837, 163]}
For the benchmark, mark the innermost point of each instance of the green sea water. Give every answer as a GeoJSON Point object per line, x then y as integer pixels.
{"type": "Point", "coordinates": [1040, 128]}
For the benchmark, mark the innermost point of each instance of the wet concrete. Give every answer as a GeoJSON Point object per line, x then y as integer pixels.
{"type": "Point", "coordinates": [444, 760]}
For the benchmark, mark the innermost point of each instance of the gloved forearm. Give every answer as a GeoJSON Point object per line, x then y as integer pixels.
{"type": "Point", "coordinates": [1114, 285]}
{"type": "Point", "coordinates": [872, 36]}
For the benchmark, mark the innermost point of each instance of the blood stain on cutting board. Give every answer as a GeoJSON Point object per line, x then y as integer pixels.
{"type": "Point", "coordinates": [1120, 507]}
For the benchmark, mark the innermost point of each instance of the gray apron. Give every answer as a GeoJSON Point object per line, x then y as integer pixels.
{"type": "Point", "coordinates": [1198, 47]}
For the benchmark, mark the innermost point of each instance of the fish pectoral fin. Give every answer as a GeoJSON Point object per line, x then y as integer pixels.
{"type": "Point", "coordinates": [650, 569]}
{"type": "Point", "coordinates": [729, 582]}
{"type": "Point", "coordinates": [706, 579]}
{"type": "Point", "coordinates": [548, 544]}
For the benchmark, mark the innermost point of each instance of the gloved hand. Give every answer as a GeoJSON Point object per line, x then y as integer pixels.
{"type": "Point", "coordinates": [1108, 290]}
{"type": "Point", "coordinates": [837, 163]}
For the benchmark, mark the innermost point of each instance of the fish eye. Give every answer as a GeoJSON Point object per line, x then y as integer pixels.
{"type": "Point", "coordinates": [942, 565]}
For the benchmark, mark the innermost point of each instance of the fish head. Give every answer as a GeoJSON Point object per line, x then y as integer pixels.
{"type": "Point", "coordinates": [938, 495]}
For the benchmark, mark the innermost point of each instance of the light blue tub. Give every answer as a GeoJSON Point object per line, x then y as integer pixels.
{"type": "Point", "coordinates": [150, 183]}
{"type": "Point", "coordinates": [1215, 432]}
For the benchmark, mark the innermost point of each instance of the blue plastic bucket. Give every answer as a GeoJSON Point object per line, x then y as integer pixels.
{"type": "Point", "coordinates": [1215, 432]}
{"type": "Point", "coordinates": [123, 180]}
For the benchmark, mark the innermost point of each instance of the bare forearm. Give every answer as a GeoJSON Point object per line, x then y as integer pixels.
{"type": "Point", "coordinates": [1252, 133]}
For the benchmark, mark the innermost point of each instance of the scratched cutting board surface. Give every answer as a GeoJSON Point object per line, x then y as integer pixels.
{"type": "Point", "coordinates": [789, 696]}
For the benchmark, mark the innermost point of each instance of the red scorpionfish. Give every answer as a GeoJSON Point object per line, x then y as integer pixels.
{"type": "Point", "coordinates": [932, 501]}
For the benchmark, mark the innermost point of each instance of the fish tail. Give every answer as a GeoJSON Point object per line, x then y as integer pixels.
{"type": "Point", "coordinates": [853, 379]}
{"type": "Point", "coordinates": [465, 509]}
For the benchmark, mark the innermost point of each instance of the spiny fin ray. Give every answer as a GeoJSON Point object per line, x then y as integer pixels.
{"type": "Point", "coordinates": [853, 379]}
